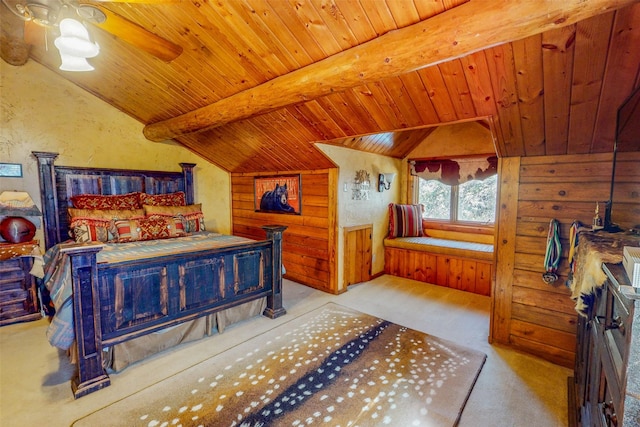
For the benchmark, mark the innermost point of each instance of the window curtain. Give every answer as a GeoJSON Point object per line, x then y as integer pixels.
{"type": "Point", "coordinates": [455, 171]}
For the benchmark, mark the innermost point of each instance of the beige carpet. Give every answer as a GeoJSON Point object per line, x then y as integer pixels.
{"type": "Point", "coordinates": [332, 366]}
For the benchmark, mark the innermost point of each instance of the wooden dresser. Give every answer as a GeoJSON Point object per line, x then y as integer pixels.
{"type": "Point", "coordinates": [18, 289]}
{"type": "Point", "coordinates": [606, 386]}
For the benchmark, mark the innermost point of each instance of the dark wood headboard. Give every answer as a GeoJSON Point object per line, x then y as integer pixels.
{"type": "Point", "coordinates": [59, 183]}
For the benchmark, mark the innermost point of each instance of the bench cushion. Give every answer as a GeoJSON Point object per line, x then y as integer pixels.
{"type": "Point", "coordinates": [434, 245]}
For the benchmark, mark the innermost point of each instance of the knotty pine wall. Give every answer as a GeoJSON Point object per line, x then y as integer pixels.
{"type": "Point", "coordinates": [310, 241]}
{"type": "Point", "coordinates": [528, 313]}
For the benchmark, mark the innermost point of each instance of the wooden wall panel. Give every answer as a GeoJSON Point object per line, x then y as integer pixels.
{"type": "Point", "coordinates": [528, 313]}
{"type": "Point", "coordinates": [309, 243]}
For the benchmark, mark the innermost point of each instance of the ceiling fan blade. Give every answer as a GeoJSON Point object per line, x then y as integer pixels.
{"type": "Point", "coordinates": [135, 35]}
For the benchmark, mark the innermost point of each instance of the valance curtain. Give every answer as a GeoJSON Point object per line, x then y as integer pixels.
{"type": "Point", "coordinates": [455, 171]}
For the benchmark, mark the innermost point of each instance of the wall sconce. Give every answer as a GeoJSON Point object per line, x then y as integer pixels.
{"type": "Point", "coordinates": [15, 205]}
{"type": "Point", "coordinates": [385, 180]}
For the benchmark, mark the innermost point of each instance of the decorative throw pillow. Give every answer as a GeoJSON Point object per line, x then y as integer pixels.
{"type": "Point", "coordinates": [90, 230]}
{"type": "Point", "coordinates": [100, 201]}
{"type": "Point", "coordinates": [405, 220]}
{"type": "Point", "coordinates": [96, 225]}
{"type": "Point", "coordinates": [150, 228]}
{"type": "Point", "coordinates": [192, 215]}
{"type": "Point", "coordinates": [170, 199]}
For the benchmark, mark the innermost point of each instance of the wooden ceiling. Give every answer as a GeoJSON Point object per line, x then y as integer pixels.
{"type": "Point", "coordinates": [261, 81]}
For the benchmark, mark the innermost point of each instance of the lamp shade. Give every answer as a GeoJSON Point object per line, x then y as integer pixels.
{"type": "Point", "coordinates": [17, 203]}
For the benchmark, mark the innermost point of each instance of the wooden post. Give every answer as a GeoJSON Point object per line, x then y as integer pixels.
{"type": "Point", "coordinates": [187, 171]}
{"type": "Point", "coordinates": [274, 300]}
{"type": "Point", "coordinates": [48, 197]}
{"type": "Point", "coordinates": [90, 376]}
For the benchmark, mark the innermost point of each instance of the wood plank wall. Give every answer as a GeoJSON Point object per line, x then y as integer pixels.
{"type": "Point", "coordinates": [528, 313]}
{"type": "Point", "coordinates": [310, 241]}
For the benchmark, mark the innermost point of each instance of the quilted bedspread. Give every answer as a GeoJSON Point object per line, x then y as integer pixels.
{"type": "Point", "coordinates": [57, 271]}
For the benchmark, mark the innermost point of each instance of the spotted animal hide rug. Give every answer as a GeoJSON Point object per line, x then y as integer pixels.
{"type": "Point", "coordinates": [333, 366]}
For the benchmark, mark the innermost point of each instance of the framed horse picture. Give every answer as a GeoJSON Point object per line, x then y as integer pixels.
{"type": "Point", "coordinates": [278, 194]}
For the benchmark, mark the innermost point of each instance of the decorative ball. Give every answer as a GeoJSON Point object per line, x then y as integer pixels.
{"type": "Point", "coordinates": [15, 229]}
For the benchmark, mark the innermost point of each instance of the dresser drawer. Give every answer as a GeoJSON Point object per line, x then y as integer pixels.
{"type": "Point", "coordinates": [10, 270]}
{"type": "Point", "coordinates": [18, 295]}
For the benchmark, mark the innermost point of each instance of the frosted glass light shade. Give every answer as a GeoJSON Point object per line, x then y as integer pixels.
{"type": "Point", "coordinates": [74, 63]}
{"type": "Point", "coordinates": [74, 46]}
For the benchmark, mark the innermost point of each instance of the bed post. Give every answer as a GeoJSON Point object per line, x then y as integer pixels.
{"type": "Point", "coordinates": [187, 171]}
{"type": "Point", "coordinates": [274, 300]}
{"type": "Point", "coordinates": [91, 375]}
{"type": "Point", "coordinates": [48, 197]}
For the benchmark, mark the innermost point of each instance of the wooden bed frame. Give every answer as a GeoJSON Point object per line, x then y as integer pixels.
{"type": "Point", "coordinates": [161, 291]}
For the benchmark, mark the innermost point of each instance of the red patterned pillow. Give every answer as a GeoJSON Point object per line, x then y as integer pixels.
{"type": "Point", "coordinates": [170, 199]}
{"type": "Point", "coordinates": [191, 214]}
{"type": "Point", "coordinates": [150, 228]}
{"type": "Point", "coordinates": [100, 201]}
{"type": "Point", "coordinates": [405, 220]}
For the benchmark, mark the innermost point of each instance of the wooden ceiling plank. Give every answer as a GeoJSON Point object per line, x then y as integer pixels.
{"type": "Point", "coordinates": [269, 21]}
{"type": "Point", "coordinates": [477, 75]}
{"type": "Point", "coordinates": [400, 98]}
{"type": "Point", "coordinates": [357, 19]}
{"type": "Point", "coordinates": [380, 17]}
{"type": "Point", "coordinates": [558, 47]}
{"type": "Point", "coordinates": [354, 98]}
{"type": "Point", "coordinates": [365, 95]}
{"type": "Point", "coordinates": [451, 34]}
{"type": "Point", "coordinates": [318, 119]}
{"type": "Point", "coordinates": [339, 110]}
{"type": "Point", "coordinates": [427, 9]}
{"type": "Point", "coordinates": [247, 50]}
{"type": "Point", "coordinates": [272, 43]}
{"type": "Point", "coordinates": [502, 71]}
{"type": "Point", "coordinates": [385, 100]}
{"type": "Point", "coordinates": [353, 111]}
{"type": "Point", "coordinates": [306, 13]}
{"type": "Point", "coordinates": [404, 12]}
{"type": "Point", "coordinates": [418, 94]}
{"type": "Point", "coordinates": [456, 83]}
{"type": "Point", "coordinates": [438, 93]}
{"type": "Point", "coordinates": [623, 63]}
{"type": "Point", "coordinates": [592, 43]}
{"type": "Point", "coordinates": [527, 56]}
{"type": "Point", "coordinates": [336, 24]}
{"type": "Point", "coordinates": [290, 19]}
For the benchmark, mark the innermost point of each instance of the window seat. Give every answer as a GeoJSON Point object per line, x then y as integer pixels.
{"type": "Point", "coordinates": [457, 248]}
{"type": "Point", "coordinates": [467, 266]}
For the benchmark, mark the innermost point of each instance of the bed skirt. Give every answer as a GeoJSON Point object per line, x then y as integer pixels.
{"type": "Point", "coordinates": [118, 357]}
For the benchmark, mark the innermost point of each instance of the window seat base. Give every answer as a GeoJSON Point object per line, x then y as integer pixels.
{"type": "Point", "coordinates": [466, 266]}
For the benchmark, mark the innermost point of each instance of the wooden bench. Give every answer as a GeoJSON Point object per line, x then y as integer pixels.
{"type": "Point", "coordinates": [455, 264]}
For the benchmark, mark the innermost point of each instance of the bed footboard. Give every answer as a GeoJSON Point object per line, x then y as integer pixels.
{"type": "Point", "coordinates": [117, 302]}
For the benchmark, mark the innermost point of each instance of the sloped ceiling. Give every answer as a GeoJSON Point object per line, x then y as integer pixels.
{"type": "Point", "coordinates": [258, 82]}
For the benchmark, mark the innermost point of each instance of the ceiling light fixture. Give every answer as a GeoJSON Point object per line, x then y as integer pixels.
{"type": "Point", "coordinates": [75, 46]}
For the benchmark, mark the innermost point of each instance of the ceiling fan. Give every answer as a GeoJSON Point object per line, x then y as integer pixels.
{"type": "Point", "coordinates": [42, 15]}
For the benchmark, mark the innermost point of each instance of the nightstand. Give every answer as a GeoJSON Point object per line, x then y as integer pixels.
{"type": "Point", "coordinates": [18, 288]}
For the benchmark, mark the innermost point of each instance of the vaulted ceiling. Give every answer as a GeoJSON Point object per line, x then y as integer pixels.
{"type": "Point", "coordinates": [258, 82]}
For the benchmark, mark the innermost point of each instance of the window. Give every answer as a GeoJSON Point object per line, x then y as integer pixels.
{"type": "Point", "coordinates": [472, 201]}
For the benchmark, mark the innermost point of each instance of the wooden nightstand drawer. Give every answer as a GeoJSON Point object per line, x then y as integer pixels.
{"type": "Point", "coordinates": [18, 292]}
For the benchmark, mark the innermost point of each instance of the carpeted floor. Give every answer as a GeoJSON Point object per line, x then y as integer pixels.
{"type": "Point", "coordinates": [333, 366]}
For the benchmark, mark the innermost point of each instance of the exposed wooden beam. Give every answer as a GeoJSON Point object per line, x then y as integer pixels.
{"type": "Point", "coordinates": [470, 27]}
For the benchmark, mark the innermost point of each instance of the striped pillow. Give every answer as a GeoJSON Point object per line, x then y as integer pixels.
{"type": "Point", "coordinates": [405, 220]}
